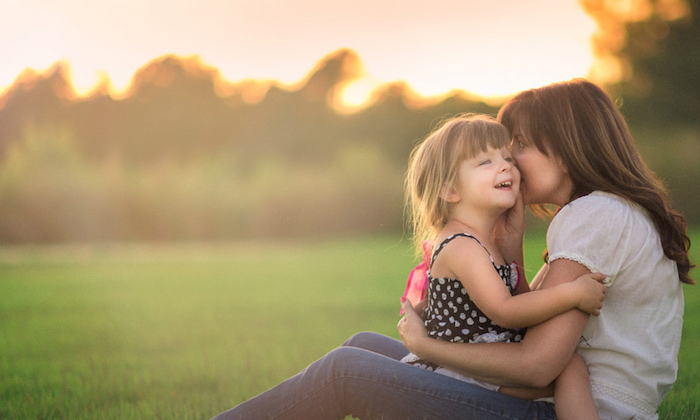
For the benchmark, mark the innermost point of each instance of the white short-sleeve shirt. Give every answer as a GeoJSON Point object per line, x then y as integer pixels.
{"type": "Point", "coordinates": [631, 349]}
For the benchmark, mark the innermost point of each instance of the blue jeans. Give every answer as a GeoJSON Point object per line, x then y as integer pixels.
{"type": "Point", "coordinates": [365, 378]}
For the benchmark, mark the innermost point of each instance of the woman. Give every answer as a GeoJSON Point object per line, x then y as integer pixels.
{"type": "Point", "coordinates": [574, 151]}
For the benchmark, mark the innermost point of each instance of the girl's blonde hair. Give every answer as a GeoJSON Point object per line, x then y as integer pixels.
{"type": "Point", "coordinates": [434, 164]}
{"type": "Point", "coordinates": [579, 123]}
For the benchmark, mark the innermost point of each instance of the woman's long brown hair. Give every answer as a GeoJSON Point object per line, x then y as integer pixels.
{"type": "Point", "coordinates": [578, 122]}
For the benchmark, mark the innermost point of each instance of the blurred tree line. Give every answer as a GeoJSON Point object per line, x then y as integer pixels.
{"type": "Point", "coordinates": [651, 49]}
{"type": "Point", "coordinates": [185, 155]}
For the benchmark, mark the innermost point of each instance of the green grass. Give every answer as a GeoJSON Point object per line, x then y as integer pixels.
{"type": "Point", "coordinates": [112, 332]}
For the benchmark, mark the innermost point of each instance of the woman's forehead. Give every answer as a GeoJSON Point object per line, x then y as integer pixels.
{"type": "Point", "coordinates": [519, 132]}
{"type": "Point", "coordinates": [516, 124]}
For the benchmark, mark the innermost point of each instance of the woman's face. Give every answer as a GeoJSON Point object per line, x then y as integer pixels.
{"type": "Point", "coordinates": [543, 178]}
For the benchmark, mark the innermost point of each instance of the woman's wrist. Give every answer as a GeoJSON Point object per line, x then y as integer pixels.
{"type": "Point", "coordinates": [422, 347]}
{"type": "Point", "coordinates": [514, 254]}
{"type": "Point", "coordinates": [511, 246]}
{"type": "Point", "coordinates": [412, 328]}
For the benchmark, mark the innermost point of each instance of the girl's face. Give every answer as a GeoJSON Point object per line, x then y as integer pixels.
{"type": "Point", "coordinates": [545, 179]}
{"type": "Point", "coordinates": [488, 181]}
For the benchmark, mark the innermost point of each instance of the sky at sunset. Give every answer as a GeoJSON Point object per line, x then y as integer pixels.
{"type": "Point", "coordinates": [487, 47]}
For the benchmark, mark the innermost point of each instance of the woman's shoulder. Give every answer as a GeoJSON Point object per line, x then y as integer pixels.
{"type": "Point", "coordinates": [600, 199]}
{"type": "Point", "coordinates": [600, 206]}
{"type": "Point", "coordinates": [597, 216]}
{"type": "Point", "coordinates": [598, 230]}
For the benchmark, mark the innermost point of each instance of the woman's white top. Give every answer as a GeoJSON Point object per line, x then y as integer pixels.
{"type": "Point", "coordinates": [631, 349]}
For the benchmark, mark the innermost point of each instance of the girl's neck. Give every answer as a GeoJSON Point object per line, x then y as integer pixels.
{"type": "Point", "coordinates": [482, 231]}
{"type": "Point", "coordinates": [478, 222]}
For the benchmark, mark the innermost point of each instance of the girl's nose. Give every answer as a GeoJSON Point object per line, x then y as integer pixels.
{"type": "Point", "coordinates": [505, 165]}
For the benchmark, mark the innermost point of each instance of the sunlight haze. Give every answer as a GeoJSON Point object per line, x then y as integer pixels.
{"type": "Point", "coordinates": [488, 48]}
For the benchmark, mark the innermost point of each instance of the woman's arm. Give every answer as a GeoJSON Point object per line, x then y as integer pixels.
{"type": "Point", "coordinates": [535, 362]}
{"type": "Point", "coordinates": [509, 233]}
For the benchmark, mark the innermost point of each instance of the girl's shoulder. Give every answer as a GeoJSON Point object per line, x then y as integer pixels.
{"type": "Point", "coordinates": [449, 241]}
{"type": "Point", "coordinates": [448, 236]}
{"type": "Point", "coordinates": [454, 248]}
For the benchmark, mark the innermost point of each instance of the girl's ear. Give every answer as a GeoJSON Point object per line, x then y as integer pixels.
{"type": "Point", "coordinates": [449, 194]}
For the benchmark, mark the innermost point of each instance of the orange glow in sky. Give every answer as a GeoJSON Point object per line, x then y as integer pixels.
{"type": "Point", "coordinates": [488, 48]}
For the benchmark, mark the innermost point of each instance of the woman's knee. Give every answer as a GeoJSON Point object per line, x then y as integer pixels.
{"type": "Point", "coordinates": [361, 339]}
{"type": "Point", "coordinates": [339, 361]}
{"type": "Point", "coordinates": [377, 343]}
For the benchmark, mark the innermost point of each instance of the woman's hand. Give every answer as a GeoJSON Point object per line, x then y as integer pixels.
{"type": "Point", "coordinates": [411, 328]}
{"type": "Point", "coordinates": [422, 305]}
{"type": "Point", "coordinates": [510, 231]}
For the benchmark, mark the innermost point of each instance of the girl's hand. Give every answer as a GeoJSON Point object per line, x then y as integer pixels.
{"type": "Point", "coordinates": [510, 230]}
{"type": "Point", "coordinates": [411, 327]}
{"type": "Point", "coordinates": [590, 292]}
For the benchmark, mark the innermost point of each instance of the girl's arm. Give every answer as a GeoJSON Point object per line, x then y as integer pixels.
{"type": "Point", "coordinates": [572, 392]}
{"type": "Point", "coordinates": [491, 295]}
{"type": "Point", "coordinates": [535, 362]}
{"type": "Point", "coordinates": [535, 284]}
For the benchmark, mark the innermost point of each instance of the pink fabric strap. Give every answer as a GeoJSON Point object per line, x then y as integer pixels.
{"type": "Point", "coordinates": [418, 278]}
{"type": "Point", "coordinates": [517, 271]}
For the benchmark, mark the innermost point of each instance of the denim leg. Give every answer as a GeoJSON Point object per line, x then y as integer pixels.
{"type": "Point", "coordinates": [378, 343]}
{"type": "Point", "coordinates": [355, 381]}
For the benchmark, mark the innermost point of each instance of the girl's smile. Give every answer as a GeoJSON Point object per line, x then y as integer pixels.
{"type": "Point", "coordinates": [505, 185]}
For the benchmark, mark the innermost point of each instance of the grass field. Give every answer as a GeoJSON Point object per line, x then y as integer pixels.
{"type": "Point", "coordinates": [186, 331]}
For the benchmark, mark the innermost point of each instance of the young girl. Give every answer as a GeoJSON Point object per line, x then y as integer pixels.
{"type": "Point", "coordinates": [461, 180]}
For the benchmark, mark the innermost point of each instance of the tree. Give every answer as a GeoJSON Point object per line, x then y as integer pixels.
{"type": "Point", "coordinates": [648, 53]}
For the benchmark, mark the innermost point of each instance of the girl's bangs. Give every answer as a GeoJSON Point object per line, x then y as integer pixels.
{"type": "Point", "coordinates": [486, 134]}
